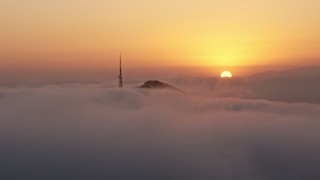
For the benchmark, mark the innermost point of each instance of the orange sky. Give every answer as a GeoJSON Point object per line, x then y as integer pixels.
{"type": "Point", "coordinates": [83, 34]}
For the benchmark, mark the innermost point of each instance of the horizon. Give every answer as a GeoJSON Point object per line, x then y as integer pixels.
{"type": "Point", "coordinates": [102, 74]}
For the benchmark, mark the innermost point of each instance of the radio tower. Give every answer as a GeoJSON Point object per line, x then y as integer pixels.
{"type": "Point", "coordinates": [120, 73]}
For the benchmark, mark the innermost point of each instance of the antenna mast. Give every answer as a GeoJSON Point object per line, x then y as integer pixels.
{"type": "Point", "coordinates": [120, 73]}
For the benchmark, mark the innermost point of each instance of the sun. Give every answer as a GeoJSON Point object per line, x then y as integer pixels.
{"type": "Point", "coordinates": [226, 74]}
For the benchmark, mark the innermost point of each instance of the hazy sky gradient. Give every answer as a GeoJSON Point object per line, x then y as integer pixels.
{"type": "Point", "coordinates": [90, 34]}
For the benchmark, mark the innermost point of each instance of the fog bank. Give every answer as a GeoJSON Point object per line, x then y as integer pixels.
{"type": "Point", "coordinates": [97, 132]}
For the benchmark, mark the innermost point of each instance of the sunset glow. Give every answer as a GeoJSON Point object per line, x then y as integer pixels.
{"type": "Point", "coordinates": [226, 74]}
{"type": "Point", "coordinates": [189, 33]}
{"type": "Point", "coordinates": [160, 89]}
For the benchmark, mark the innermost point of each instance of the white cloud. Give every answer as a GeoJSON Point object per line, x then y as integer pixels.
{"type": "Point", "coordinates": [91, 132]}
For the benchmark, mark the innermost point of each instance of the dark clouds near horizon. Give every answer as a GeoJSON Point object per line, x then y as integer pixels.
{"type": "Point", "coordinates": [94, 132]}
{"type": "Point", "coordinates": [299, 85]}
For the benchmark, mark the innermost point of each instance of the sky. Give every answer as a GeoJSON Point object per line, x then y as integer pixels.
{"type": "Point", "coordinates": [80, 35]}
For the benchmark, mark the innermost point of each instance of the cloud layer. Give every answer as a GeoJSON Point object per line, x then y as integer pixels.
{"type": "Point", "coordinates": [93, 132]}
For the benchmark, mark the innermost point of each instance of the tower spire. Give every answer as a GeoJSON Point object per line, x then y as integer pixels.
{"type": "Point", "coordinates": [120, 73]}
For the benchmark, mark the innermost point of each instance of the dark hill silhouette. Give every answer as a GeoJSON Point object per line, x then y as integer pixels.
{"type": "Point", "coordinates": [154, 84]}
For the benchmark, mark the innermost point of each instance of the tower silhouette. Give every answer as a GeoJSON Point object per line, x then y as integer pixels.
{"type": "Point", "coordinates": [120, 73]}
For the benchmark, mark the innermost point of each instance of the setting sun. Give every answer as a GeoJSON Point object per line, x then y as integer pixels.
{"type": "Point", "coordinates": [226, 74]}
